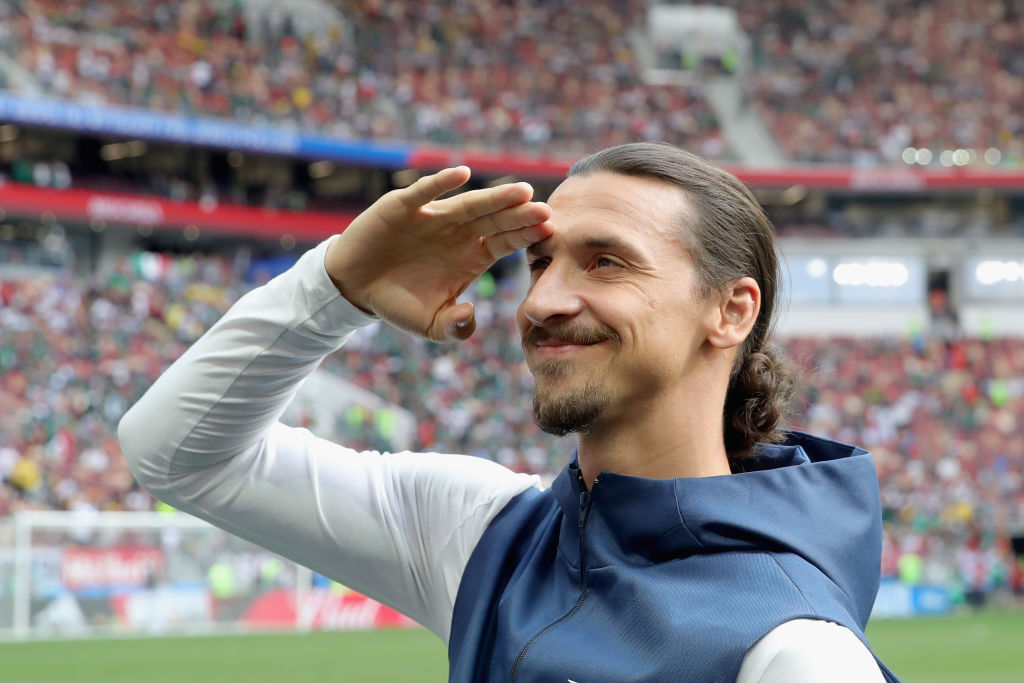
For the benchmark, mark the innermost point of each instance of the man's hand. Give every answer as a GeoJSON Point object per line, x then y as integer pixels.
{"type": "Point", "coordinates": [410, 255]}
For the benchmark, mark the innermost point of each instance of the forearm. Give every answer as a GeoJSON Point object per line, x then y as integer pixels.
{"type": "Point", "coordinates": [223, 395]}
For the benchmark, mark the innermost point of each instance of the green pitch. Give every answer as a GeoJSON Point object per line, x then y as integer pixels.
{"type": "Point", "coordinates": [985, 648]}
{"type": "Point", "coordinates": [979, 648]}
{"type": "Point", "coordinates": [401, 656]}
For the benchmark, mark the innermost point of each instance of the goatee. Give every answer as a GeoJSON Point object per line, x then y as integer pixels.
{"type": "Point", "coordinates": [576, 410]}
{"type": "Point", "coordinates": [573, 411]}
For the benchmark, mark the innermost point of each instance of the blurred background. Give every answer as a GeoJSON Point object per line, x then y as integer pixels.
{"type": "Point", "coordinates": [158, 160]}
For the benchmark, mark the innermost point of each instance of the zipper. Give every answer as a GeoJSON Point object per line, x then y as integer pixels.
{"type": "Point", "coordinates": [584, 515]}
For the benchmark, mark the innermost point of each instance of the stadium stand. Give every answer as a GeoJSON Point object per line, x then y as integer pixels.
{"type": "Point", "coordinates": [74, 355]}
{"type": "Point", "coordinates": [846, 81]}
{"type": "Point", "coordinates": [471, 74]}
{"type": "Point", "coordinates": [466, 74]}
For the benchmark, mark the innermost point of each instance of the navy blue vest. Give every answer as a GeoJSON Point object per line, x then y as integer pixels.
{"type": "Point", "coordinates": [669, 579]}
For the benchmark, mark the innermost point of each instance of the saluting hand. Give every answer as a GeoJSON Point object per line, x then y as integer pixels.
{"type": "Point", "coordinates": [410, 255]}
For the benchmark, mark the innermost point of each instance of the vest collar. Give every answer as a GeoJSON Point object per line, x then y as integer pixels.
{"type": "Point", "coordinates": [809, 496]}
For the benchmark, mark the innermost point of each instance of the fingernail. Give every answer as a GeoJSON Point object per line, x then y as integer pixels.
{"type": "Point", "coordinates": [462, 324]}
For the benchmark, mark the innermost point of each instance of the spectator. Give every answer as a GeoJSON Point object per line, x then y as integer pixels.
{"type": "Point", "coordinates": [472, 74]}
{"type": "Point", "coordinates": [855, 82]}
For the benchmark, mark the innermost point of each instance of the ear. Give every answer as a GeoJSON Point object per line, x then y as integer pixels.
{"type": "Point", "coordinates": [734, 313]}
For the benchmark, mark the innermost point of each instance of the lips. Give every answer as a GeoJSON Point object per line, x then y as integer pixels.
{"type": "Point", "coordinates": [571, 334]}
{"type": "Point", "coordinates": [558, 342]}
{"type": "Point", "coordinates": [549, 348]}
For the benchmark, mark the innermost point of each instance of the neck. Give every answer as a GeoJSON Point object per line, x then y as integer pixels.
{"type": "Point", "coordinates": [672, 439]}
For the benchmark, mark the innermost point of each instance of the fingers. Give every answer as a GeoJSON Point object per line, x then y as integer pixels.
{"type": "Point", "coordinates": [513, 218]}
{"type": "Point", "coordinates": [502, 244]}
{"type": "Point", "coordinates": [453, 322]}
{"type": "Point", "coordinates": [489, 210]}
{"type": "Point", "coordinates": [459, 321]}
{"type": "Point", "coordinates": [430, 187]}
{"type": "Point", "coordinates": [475, 204]}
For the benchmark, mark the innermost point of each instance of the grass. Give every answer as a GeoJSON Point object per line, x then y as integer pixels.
{"type": "Point", "coordinates": [980, 648]}
{"type": "Point", "coordinates": [986, 647]}
{"type": "Point", "coordinates": [398, 656]}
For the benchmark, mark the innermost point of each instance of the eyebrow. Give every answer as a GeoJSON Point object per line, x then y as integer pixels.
{"type": "Point", "coordinates": [594, 243]}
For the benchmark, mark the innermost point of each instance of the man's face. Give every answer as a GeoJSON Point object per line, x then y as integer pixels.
{"type": "Point", "coordinates": [614, 321]}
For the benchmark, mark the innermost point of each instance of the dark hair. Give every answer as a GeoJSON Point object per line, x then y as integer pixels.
{"type": "Point", "coordinates": [729, 237]}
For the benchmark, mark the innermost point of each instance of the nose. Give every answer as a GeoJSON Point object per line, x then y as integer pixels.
{"type": "Point", "coordinates": [551, 299]}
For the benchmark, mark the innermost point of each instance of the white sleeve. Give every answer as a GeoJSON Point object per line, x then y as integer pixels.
{"type": "Point", "coordinates": [398, 527]}
{"type": "Point", "coordinates": [809, 651]}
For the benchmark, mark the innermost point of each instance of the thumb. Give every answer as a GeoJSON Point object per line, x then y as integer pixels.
{"type": "Point", "coordinates": [454, 322]}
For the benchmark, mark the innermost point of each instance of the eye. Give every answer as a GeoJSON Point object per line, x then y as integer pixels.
{"type": "Point", "coordinates": [604, 262]}
{"type": "Point", "coordinates": [538, 265]}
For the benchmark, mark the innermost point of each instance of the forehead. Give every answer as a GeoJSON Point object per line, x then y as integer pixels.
{"type": "Point", "coordinates": [635, 208]}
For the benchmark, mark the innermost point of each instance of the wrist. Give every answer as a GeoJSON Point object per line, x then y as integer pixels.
{"type": "Point", "coordinates": [334, 264]}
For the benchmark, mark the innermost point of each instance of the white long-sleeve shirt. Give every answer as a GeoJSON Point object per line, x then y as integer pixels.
{"type": "Point", "coordinates": [398, 527]}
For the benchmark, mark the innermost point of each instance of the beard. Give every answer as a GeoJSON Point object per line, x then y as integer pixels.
{"type": "Point", "coordinates": [566, 412]}
{"type": "Point", "coordinates": [574, 410]}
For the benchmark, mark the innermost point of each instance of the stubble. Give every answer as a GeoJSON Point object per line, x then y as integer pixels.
{"type": "Point", "coordinates": [571, 410]}
{"type": "Point", "coordinates": [567, 411]}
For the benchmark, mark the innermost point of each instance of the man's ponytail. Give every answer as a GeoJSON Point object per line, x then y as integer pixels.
{"type": "Point", "coordinates": [757, 403]}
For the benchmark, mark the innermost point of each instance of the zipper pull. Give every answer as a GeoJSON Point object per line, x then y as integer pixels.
{"type": "Point", "coordinates": [584, 504]}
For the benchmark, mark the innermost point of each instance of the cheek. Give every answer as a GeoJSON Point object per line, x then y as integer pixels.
{"type": "Point", "coordinates": [669, 332]}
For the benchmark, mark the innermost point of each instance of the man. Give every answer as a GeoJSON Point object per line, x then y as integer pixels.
{"type": "Point", "coordinates": [672, 547]}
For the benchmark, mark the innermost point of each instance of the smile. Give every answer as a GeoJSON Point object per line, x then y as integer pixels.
{"type": "Point", "coordinates": [550, 349]}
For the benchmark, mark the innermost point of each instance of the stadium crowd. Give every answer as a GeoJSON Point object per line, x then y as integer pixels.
{"type": "Point", "coordinates": [74, 355]}
{"type": "Point", "coordinates": [842, 81]}
{"type": "Point", "coordinates": [855, 81]}
{"type": "Point", "coordinates": [523, 76]}
{"type": "Point", "coordinates": [942, 417]}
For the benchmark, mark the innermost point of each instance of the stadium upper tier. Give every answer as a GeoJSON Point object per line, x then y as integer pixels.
{"type": "Point", "coordinates": [841, 81]}
{"type": "Point", "coordinates": [866, 80]}
{"type": "Point", "coordinates": [540, 76]}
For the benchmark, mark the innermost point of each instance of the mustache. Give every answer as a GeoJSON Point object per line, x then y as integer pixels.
{"type": "Point", "coordinates": [570, 333]}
